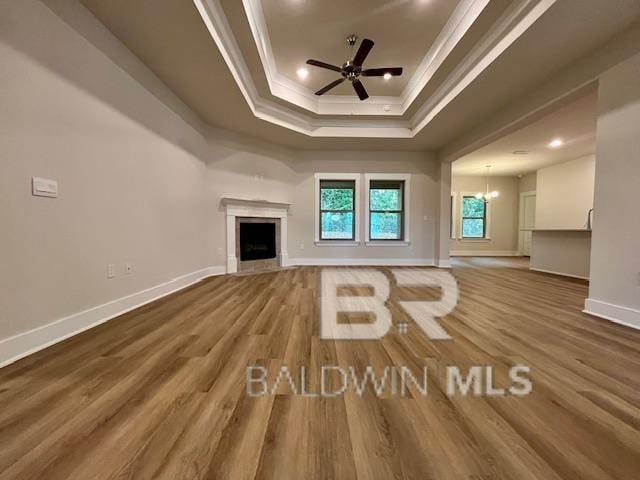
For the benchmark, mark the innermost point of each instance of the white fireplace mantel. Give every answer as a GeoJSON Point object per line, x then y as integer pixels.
{"type": "Point", "coordinates": [241, 207]}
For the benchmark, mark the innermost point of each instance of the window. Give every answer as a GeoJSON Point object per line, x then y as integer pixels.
{"type": "Point", "coordinates": [337, 209]}
{"type": "Point", "coordinates": [474, 217]}
{"type": "Point", "coordinates": [386, 210]}
{"type": "Point", "coordinates": [452, 223]}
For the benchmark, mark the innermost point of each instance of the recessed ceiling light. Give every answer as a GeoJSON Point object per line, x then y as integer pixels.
{"type": "Point", "coordinates": [556, 143]}
{"type": "Point", "coordinates": [386, 76]}
{"type": "Point", "coordinates": [302, 73]}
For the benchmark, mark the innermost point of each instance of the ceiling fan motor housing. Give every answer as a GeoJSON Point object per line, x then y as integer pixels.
{"type": "Point", "coordinates": [351, 71]}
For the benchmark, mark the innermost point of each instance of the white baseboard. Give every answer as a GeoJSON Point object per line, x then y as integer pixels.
{"type": "Point", "coordinates": [484, 253]}
{"type": "Point", "coordinates": [24, 344]}
{"type": "Point", "coordinates": [542, 270]}
{"type": "Point", "coordinates": [391, 262]}
{"type": "Point", "coordinates": [442, 263]}
{"type": "Point", "coordinates": [615, 313]}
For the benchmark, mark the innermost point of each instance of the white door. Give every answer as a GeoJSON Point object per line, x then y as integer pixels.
{"type": "Point", "coordinates": [527, 221]}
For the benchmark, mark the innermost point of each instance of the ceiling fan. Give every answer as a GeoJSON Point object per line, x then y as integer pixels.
{"type": "Point", "coordinates": [352, 69]}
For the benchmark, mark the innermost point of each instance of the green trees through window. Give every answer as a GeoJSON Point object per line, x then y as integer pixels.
{"type": "Point", "coordinates": [474, 217]}
{"type": "Point", "coordinates": [386, 210]}
{"type": "Point", "coordinates": [337, 206]}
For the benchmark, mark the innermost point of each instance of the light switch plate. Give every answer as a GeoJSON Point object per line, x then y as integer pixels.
{"type": "Point", "coordinates": [44, 187]}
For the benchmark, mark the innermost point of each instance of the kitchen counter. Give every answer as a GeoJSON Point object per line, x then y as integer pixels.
{"type": "Point", "coordinates": [561, 251]}
{"type": "Point", "coordinates": [556, 230]}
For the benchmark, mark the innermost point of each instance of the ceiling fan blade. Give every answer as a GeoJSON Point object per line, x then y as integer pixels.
{"type": "Point", "coordinates": [360, 90]}
{"type": "Point", "coordinates": [365, 47]}
{"type": "Point", "coordinates": [326, 88]}
{"type": "Point", "coordinates": [379, 72]}
{"type": "Point", "coordinates": [317, 63]}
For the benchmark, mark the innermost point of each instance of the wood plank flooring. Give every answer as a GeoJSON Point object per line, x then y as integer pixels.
{"type": "Point", "coordinates": [161, 391]}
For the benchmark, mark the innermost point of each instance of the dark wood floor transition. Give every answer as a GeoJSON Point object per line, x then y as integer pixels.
{"type": "Point", "coordinates": [161, 392]}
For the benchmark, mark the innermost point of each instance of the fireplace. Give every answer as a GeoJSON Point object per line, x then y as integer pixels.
{"type": "Point", "coordinates": [240, 211]}
{"type": "Point", "coordinates": [257, 241]}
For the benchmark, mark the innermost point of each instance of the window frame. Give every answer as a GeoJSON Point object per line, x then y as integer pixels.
{"type": "Point", "coordinates": [486, 218]}
{"type": "Point", "coordinates": [352, 211]}
{"type": "Point", "coordinates": [346, 177]}
{"type": "Point", "coordinates": [453, 208]}
{"type": "Point", "coordinates": [405, 179]}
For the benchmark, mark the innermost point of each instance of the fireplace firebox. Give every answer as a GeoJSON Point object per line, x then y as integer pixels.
{"type": "Point", "coordinates": [257, 241]}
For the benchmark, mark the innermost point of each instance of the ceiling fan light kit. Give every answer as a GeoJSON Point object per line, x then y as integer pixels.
{"type": "Point", "coordinates": [352, 69]}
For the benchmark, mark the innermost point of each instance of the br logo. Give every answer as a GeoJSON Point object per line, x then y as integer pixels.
{"type": "Point", "coordinates": [424, 313]}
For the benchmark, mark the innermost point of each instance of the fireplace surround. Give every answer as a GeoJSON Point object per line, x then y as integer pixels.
{"type": "Point", "coordinates": [242, 211]}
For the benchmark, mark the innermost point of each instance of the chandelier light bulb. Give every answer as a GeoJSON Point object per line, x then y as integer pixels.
{"type": "Point", "coordinates": [489, 194]}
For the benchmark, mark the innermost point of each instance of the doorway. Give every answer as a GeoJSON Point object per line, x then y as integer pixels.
{"type": "Point", "coordinates": [527, 222]}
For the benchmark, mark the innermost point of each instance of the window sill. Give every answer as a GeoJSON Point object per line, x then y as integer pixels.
{"type": "Point", "coordinates": [337, 243]}
{"type": "Point", "coordinates": [474, 240]}
{"type": "Point", "coordinates": [387, 243]}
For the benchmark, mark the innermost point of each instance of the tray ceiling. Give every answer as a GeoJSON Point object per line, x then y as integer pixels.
{"type": "Point", "coordinates": [507, 28]}
{"type": "Point", "coordinates": [403, 32]}
{"type": "Point", "coordinates": [206, 52]}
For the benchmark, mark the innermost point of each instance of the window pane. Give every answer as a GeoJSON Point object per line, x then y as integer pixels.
{"type": "Point", "coordinates": [473, 207]}
{"type": "Point", "coordinates": [337, 225]}
{"type": "Point", "coordinates": [385, 199]}
{"type": "Point", "coordinates": [386, 226]}
{"type": "Point", "coordinates": [336, 198]}
{"type": "Point", "coordinates": [473, 228]}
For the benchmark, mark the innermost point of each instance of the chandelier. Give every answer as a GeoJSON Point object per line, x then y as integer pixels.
{"type": "Point", "coordinates": [487, 195]}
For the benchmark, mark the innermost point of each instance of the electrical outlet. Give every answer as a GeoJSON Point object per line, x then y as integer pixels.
{"type": "Point", "coordinates": [128, 268]}
{"type": "Point", "coordinates": [111, 270]}
{"type": "Point", "coordinates": [302, 246]}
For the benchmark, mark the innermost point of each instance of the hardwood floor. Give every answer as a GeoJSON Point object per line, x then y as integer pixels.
{"type": "Point", "coordinates": [161, 391]}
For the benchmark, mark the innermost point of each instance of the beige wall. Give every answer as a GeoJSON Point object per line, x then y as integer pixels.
{"type": "Point", "coordinates": [127, 194]}
{"type": "Point", "coordinates": [503, 222]}
{"type": "Point", "coordinates": [564, 194]}
{"type": "Point", "coordinates": [615, 257]}
{"type": "Point", "coordinates": [138, 183]}
{"type": "Point", "coordinates": [528, 183]}
{"type": "Point", "coordinates": [252, 170]}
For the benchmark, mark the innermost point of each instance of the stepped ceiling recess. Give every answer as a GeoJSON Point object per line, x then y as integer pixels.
{"type": "Point", "coordinates": [235, 62]}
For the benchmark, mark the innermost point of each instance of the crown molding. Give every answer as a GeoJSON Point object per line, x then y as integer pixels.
{"type": "Point", "coordinates": [508, 28]}
{"type": "Point", "coordinates": [511, 25]}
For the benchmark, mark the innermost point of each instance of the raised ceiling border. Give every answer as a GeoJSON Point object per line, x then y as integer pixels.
{"type": "Point", "coordinates": [463, 17]}
{"type": "Point", "coordinates": [509, 27]}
